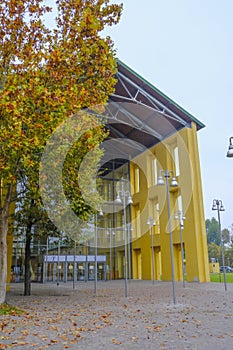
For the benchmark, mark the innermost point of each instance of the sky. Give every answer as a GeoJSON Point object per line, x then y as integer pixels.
{"type": "Point", "coordinates": [185, 49]}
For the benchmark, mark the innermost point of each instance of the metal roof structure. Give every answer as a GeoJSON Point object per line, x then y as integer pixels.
{"type": "Point", "coordinates": [140, 115]}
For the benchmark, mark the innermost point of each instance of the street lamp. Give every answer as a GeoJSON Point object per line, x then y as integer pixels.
{"type": "Point", "coordinates": [167, 174]}
{"type": "Point", "coordinates": [124, 198]}
{"type": "Point", "coordinates": [151, 223]}
{"type": "Point", "coordinates": [217, 205]}
{"type": "Point", "coordinates": [110, 233]}
{"type": "Point", "coordinates": [100, 213]}
{"type": "Point", "coordinates": [230, 149]}
{"type": "Point", "coordinates": [179, 216]}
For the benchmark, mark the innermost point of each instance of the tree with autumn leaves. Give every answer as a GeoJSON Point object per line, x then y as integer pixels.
{"type": "Point", "coordinates": [46, 76]}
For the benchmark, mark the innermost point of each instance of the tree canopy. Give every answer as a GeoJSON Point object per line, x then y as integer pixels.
{"type": "Point", "coordinates": [214, 242]}
{"type": "Point", "coordinates": [212, 228]}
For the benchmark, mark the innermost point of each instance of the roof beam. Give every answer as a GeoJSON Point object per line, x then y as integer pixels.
{"type": "Point", "coordinates": [158, 106]}
{"type": "Point", "coordinates": [129, 142]}
{"type": "Point", "coordinates": [133, 120]}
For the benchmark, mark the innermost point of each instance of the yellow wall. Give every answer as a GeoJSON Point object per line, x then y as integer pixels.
{"type": "Point", "coordinates": [190, 189]}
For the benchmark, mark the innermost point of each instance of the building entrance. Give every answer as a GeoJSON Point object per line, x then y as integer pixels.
{"type": "Point", "coordinates": [64, 268]}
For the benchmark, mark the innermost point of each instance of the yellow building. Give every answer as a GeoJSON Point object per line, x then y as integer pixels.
{"type": "Point", "coordinates": [149, 231]}
{"type": "Point", "coordinates": [151, 136]}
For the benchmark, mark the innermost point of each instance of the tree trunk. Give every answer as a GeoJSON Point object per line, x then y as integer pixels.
{"type": "Point", "coordinates": [5, 198]}
{"type": "Point", "coordinates": [27, 275]}
{"type": "Point", "coordinates": [3, 256]}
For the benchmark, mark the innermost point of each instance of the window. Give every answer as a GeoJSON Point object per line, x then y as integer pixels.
{"type": "Point", "coordinates": [176, 160]}
{"type": "Point", "coordinates": [154, 213]}
{"type": "Point", "coordinates": [136, 222]}
{"type": "Point", "coordinates": [155, 171]}
{"type": "Point", "coordinates": [179, 201]}
{"type": "Point", "coordinates": [152, 170]}
{"type": "Point", "coordinates": [136, 179]}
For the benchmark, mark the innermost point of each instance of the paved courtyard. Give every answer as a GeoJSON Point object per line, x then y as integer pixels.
{"type": "Point", "coordinates": [74, 317]}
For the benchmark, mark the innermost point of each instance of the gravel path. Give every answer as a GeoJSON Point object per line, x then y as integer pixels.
{"type": "Point", "coordinates": [63, 317]}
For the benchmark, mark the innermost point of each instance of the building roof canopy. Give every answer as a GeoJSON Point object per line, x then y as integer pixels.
{"type": "Point", "coordinates": [140, 116]}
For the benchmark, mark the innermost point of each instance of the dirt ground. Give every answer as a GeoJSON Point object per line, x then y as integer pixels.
{"type": "Point", "coordinates": [74, 317]}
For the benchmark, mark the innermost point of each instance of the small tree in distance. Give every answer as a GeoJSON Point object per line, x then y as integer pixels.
{"type": "Point", "coordinates": [212, 229]}
{"type": "Point", "coordinates": [214, 241]}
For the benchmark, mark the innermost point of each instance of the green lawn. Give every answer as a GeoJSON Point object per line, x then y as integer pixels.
{"type": "Point", "coordinates": [219, 277]}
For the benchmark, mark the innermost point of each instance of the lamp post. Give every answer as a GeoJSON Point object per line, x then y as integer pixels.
{"type": "Point", "coordinates": [96, 248]}
{"type": "Point", "coordinates": [151, 223]}
{"type": "Point", "coordinates": [130, 229]}
{"type": "Point", "coordinates": [179, 216]}
{"type": "Point", "coordinates": [167, 174]}
{"type": "Point", "coordinates": [75, 269]}
{"type": "Point", "coordinates": [124, 198]}
{"type": "Point", "coordinates": [47, 253]}
{"type": "Point", "coordinates": [217, 205]}
{"type": "Point", "coordinates": [110, 233]}
{"type": "Point", "coordinates": [230, 149]}
{"type": "Point", "coordinates": [58, 263]}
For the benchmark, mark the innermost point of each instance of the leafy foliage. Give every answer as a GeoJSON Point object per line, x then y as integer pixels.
{"type": "Point", "coordinates": [212, 228]}
{"type": "Point", "coordinates": [226, 236]}
{"type": "Point", "coordinates": [214, 251]}
{"type": "Point", "coordinates": [48, 75]}
{"type": "Point", "coordinates": [214, 242]}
